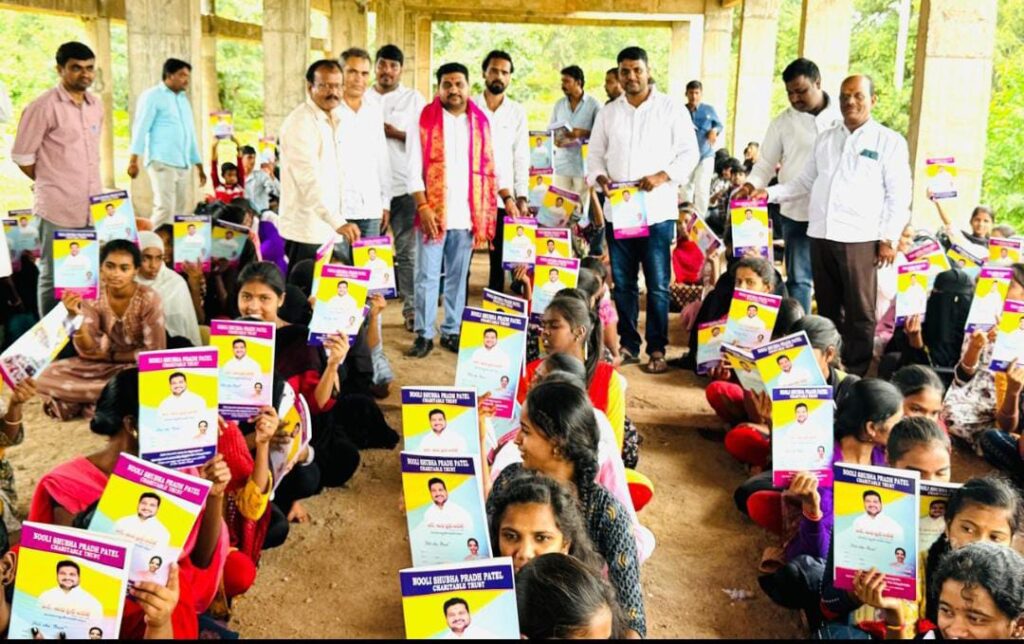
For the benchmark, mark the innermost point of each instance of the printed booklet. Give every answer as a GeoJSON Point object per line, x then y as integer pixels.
{"type": "Point", "coordinates": [76, 263]}
{"type": "Point", "coordinates": [440, 421]}
{"type": "Point", "coordinates": [21, 228]}
{"type": "Point", "coordinates": [802, 434]}
{"type": "Point", "coordinates": [751, 318]}
{"type": "Point", "coordinates": [113, 217]}
{"type": "Point", "coordinates": [492, 347]}
{"type": "Point", "coordinates": [520, 247]}
{"type": "Point", "coordinates": [627, 209]}
{"type": "Point", "coordinates": [245, 372]}
{"type": "Point", "coordinates": [377, 254]}
{"type": "Point", "coordinates": [192, 241]}
{"type": "Point", "coordinates": [340, 302]}
{"type": "Point", "coordinates": [38, 347]}
{"type": "Point", "coordinates": [989, 298]}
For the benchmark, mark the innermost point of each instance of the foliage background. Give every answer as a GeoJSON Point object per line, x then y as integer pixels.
{"type": "Point", "coordinates": [540, 51]}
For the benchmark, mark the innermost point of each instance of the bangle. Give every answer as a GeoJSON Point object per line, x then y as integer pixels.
{"type": "Point", "coordinates": [421, 206]}
{"type": "Point", "coordinates": [895, 627]}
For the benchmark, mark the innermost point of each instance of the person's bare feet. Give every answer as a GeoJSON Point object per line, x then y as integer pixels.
{"type": "Point", "coordinates": [298, 513]}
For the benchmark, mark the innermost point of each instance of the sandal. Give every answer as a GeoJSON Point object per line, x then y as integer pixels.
{"type": "Point", "coordinates": [628, 358]}
{"type": "Point", "coordinates": [656, 364]}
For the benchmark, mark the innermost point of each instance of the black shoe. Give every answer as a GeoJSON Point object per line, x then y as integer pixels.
{"type": "Point", "coordinates": [450, 342]}
{"type": "Point", "coordinates": [420, 348]}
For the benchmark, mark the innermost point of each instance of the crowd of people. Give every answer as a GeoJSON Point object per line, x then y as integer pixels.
{"type": "Point", "coordinates": [365, 155]}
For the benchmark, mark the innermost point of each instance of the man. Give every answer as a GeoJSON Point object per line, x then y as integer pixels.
{"type": "Point", "coordinates": [643, 136]}
{"type": "Point", "coordinates": [438, 440]}
{"type": "Point", "coordinates": [240, 364]}
{"type": "Point", "coordinates": [69, 599]}
{"type": "Point", "coordinates": [401, 107]}
{"type": "Point", "coordinates": [365, 162]}
{"type": "Point", "coordinates": [58, 147]}
{"type": "Point", "coordinates": [454, 213]}
{"type": "Point", "coordinates": [311, 167]}
{"type": "Point", "coordinates": [182, 403]}
{"type": "Point", "coordinates": [874, 524]}
{"type": "Point", "coordinates": [489, 357]}
{"type": "Point", "coordinates": [75, 261]}
{"type": "Point", "coordinates": [612, 86]}
{"type": "Point", "coordinates": [553, 285]}
{"type": "Point", "coordinates": [707, 126]}
{"type": "Point", "coordinates": [192, 246]}
{"type": "Point", "coordinates": [573, 119]}
{"type": "Point", "coordinates": [822, 455]}
{"type": "Point", "coordinates": [165, 132]}
{"type": "Point", "coordinates": [226, 247]}
{"type": "Point", "coordinates": [552, 249]}
{"type": "Point", "coordinates": [442, 515]}
{"type": "Point", "coordinates": [934, 524]}
{"type": "Point", "coordinates": [511, 141]}
{"type": "Point", "coordinates": [789, 143]}
{"type": "Point", "coordinates": [380, 273]}
{"type": "Point", "coordinates": [790, 376]}
{"type": "Point", "coordinates": [144, 528]}
{"type": "Point", "coordinates": [539, 154]}
{"type": "Point", "coordinates": [557, 214]}
{"type": "Point", "coordinates": [460, 624]}
{"type": "Point", "coordinates": [858, 178]}
{"type": "Point", "coordinates": [522, 245]}
{"type": "Point", "coordinates": [261, 182]}
{"type": "Point", "coordinates": [180, 318]}
{"type": "Point", "coordinates": [342, 305]}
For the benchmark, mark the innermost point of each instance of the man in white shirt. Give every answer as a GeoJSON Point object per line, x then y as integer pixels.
{"type": "Point", "coordinates": [179, 310]}
{"type": "Point", "coordinates": [193, 245]}
{"type": "Point", "coordinates": [858, 179]}
{"type": "Point", "coordinates": [552, 250]}
{"type": "Point", "coordinates": [365, 160]}
{"type": "Point", "coordinates": [440, 441]}
{"type": "Point", "coordinates": [489, 358]}
{"type": "Point", "coordinates": [627, 212]}
{"type": "Point", "coordinates": [182, 403]}
{"type": "Point", "coordinates": [574, 116]}
{"type": "Point", "coordinates": [240, 365]}
{"type": "Point", "coordinates": [511, 141]}
{"type": "Point", "coordinates": [986, 309]}
{"type": "Point", "coordinates": [750, 233]}
{"type": "Point", "coordinates": [460, 624]}
{"type": "Point", "coordinates": [934, 524]}
{"type": "Point", "coordinates": [380, 272]}
{"type": "Point", "coordinates": [342, 306]}
{"type": "Point", "coordinates": [452, 216]}
{"type": "Point", "coordinates": [443, 516]}
{"type": "Point", "coordinates": [791, 376]}
{"type": "Point", "coordinates": [539, 157]}
{"type": "Point", "coordinates": [144, 528]}
{"type": "Point", "coordinates": [401, 108]}
{"type": "Point", "coordinates": [227, 247]}
{"type": "Point", "coordinates": [557, 215]}
{"type": "Point", "coordinates": [522, 246]}
{"type": "Point", "coordinates": [75, 261]}
{"type": "Point", "coordinates": [311, 167]}
{"type": "Point", "coordinates": [789, 142]}
{"type": "Point", "coordinates": [554, 284]}
{"type": "Point", "coordinates": [875, 525]}
{"type": "Point", "coordinates": [68, 599]}
{"type": "Point", "coordinates": [643, 136]}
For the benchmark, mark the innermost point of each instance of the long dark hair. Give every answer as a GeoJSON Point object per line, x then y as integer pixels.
{"type": "Point", "coordinates": [558, 596]}
{"type": "Point", "coordinates": [564, 414]}
{"type": "Point", "coordinates": [822, 334]}
{"type": "Point", "coordinates": [868, 400]}
{"type": "Point", "coordinates": [118, 400]}
{"type": "Point", "coordinates": [575, 309]}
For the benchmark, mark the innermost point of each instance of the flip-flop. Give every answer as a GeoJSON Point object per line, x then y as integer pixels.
{"type": "Point", "coordinates": [655, 365]}
{"type": "Point", "coordinates": [628, 358]}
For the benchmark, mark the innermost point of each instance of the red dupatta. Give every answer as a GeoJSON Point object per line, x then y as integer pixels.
{"type": "Point", "coordinates": [482, 178]}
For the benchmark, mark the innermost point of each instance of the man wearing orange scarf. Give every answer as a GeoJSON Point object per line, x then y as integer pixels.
{"type": "Point", "coordinates": [453, 181]}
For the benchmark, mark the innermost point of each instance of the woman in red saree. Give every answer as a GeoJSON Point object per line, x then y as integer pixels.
{"type": "Point", "coordinates": [74, 487]}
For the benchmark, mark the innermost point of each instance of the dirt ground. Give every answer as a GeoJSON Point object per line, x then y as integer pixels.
{"type": "Point", "coordinates": [337, 576]}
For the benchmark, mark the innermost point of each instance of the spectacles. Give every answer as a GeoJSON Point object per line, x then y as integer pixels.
{"type": "Point", "coordinates": [328, 86]}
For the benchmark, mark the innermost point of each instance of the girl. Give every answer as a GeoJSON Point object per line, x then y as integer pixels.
{"type": "Point", "coordinates": [311, 371]}
{"type": "Point", "coordinates": [559, 438]}
{"type": "Point", "coordinates": [980, 594]}
{"type": "Point", "coordinates": [922, 391]}
{"type": "Point", "coordinates": [605, 308]}
{"type": "Point", "coordinates": [561, 598]}
{"type": "Point", "coordinates": [983, 219]}
{"type": "Point", "coordinates": [65, 494]}
{"type": "Point", "coordinates": [127, 319]}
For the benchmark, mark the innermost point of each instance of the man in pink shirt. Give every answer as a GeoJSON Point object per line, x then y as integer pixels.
{"type": "Point", "coordinates": [58, 147]}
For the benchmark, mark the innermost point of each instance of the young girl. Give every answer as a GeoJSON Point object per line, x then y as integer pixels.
{"type": "Point", "coordinates": [605, 308]}
{"type": "Point", "coordinates": [922, 391]}
{"type": "Point", "coordinates": [980, 594]}
{"type": "Point", "coordinates": [561, 598]}
{"type": "Point", "coordinates": [983, 219]}
{"type": "Point", "coordinates": [559, 437]}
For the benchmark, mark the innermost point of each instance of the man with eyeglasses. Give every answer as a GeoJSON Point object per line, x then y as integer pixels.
{"type": "Point", "coordinates": [311, 167]}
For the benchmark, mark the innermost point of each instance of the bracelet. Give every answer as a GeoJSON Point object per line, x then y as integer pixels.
{"type": "Point", "coordinates": [421, 206]}
{"type": "Point", "coordinates": [892, 627]}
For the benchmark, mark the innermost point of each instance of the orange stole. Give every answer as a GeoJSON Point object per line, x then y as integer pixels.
{"type": "Point", "coordinates": [482, 180]}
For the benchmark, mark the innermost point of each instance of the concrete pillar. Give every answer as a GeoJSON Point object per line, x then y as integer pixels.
{"type": "Point", "coordinates": [348, 25]}
{"type": "Point", "coordinates": [285, 55]}
{"type": "Point", "coordinates": [755, 72]}
{"type": "Point", "coordinates": [97, 33]}
{"type": "Point", "coordinates": [211, 95]}
{"type": "Point", "coordinates": [683, 55]}
{"type": "Point", "coordinates": [825, 38]}
{"type": "Point", "coordinates": [423, 73]}
{"type": "Point", "coordinates": [158, 30]}
{"type": "Point", "coordinates": [955, 42]}
{"type": "Point", "coordinates": [390, 22]}
{"type": "Point", "coordinates": [716, 57]}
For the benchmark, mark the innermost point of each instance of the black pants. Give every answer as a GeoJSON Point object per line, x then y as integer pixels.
{"type": "Point", "coordinates": [496, 280]}
{"type": "Point", "coordinates": [845, 287]}
{"type": "Point", "coordinates": [297, 251]}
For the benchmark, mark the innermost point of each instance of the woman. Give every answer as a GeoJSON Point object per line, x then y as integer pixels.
{"type": "Point", "coordinates": [66, 496]}
{"type": "Point", "coordinates": [568, 326]}
{"type": "Point", "coordinates": [983, 219]}
{"type": "Point", "coordinates": [980, 594]}
{"type": "Point", "coordinates": [560, 598]}
{"type": "Point", "coordinates": [559, 438]}
{"type": "Point", "coordinates": [922, 391]}
{"type": "Point", "coordinates": [533, 515]}
{"type": "Point", "coordinates": [311, 371]}
{"type": "Point", "coordinates": [126, 320]}
{"type": "Point", "coordinates": [606, 312]}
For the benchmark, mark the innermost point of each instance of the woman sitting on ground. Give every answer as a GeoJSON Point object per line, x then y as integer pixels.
{"type": "Point", "coordinates": [68, 493]}
{"type": "Point", "coordinates": [561, 598]}
{"type": "Point", "coordinates": [126, 320]}
{"type": "Point", "coordinates": [922, 391]}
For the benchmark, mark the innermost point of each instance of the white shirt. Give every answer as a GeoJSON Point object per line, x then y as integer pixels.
{"type": "Point", "coordinates": [5, 258]}
{"type": "Point", "coordinates": [187, 404]}
{"type": "Point", "coordinates": [179, 312]}
{"type": "Point", "coordinates": [551, 289]}
{"type": "Point", "coordinates": [491, 359]}
{"type": "Point", "coordinates": [789, 141]}
{"type": "Point", "coordinates": [74, 602]}
{"type": "Point", "coordinates": [879, 526]}
{"type": "Point", "coordinates": [77, 262]}
{"type": "Point", "coordinates": [6, 110]}
{"type": "Point", "coordinates": [401, 108]}
{"type": "Point", "coordinates": [378, 272]}
{"type": "Point", "coordinates": [796, 377]}
{"type": "Point", "coordinates": [342, 307]}
{"type": "Point", "coordinates": [449, 517]}
{"type": "Point", "coordinates": [522, 245]}
{"type": "Point", "coordinates": [244, 367]}
{"type": "Point", "coordinates": [456, 169]}
{"type": "Point", "coordinates": [987, 309]}
{"type": "Point", "coordinates": [311, 175]}
{"type": "Point", "coordinates": [930, 529]}
{"type": "Point", "coordinates": [472, 632]}
{"type": "Point", "coordinates": [627, 214]}
{"type": "Point", "coordinates": [150, 533]}
{"type": "Point", "coordinates": [226, 248]}
{"type": "Point", "coordinates": [447, 442]}
{"type": "Point", "coordinates": [629, 143]}
{"type": "Point", "coordinates": [365, 161]}
{"type": "Point", "coordinates": [510, 140]}
{"type": "Point", "coordinates": [854, 198]}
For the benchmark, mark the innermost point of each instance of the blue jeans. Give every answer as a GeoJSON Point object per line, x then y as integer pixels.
{"type": "Point", "coordinates": [455, 249]}
{"type": "Point", "coordinates": [798, 261]}
{"type": "Point", "coordinates": [653, 253]}
{"type": "Point", "coordinates": [367, 228]}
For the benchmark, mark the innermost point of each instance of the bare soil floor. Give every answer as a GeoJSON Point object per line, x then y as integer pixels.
{"type": "Point", "coordinates": [337, 576]}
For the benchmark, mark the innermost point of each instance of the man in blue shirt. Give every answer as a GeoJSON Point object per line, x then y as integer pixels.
{"type": "Point", "coordinates": [708, 126]}
{"type": "Point", "coordinates": [165, 132]}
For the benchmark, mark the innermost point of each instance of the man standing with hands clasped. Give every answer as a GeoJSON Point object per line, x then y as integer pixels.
{"type": "Point", "coordinates": [643, 136]}
{"type": "Point", "coordinates": [858, 178]}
